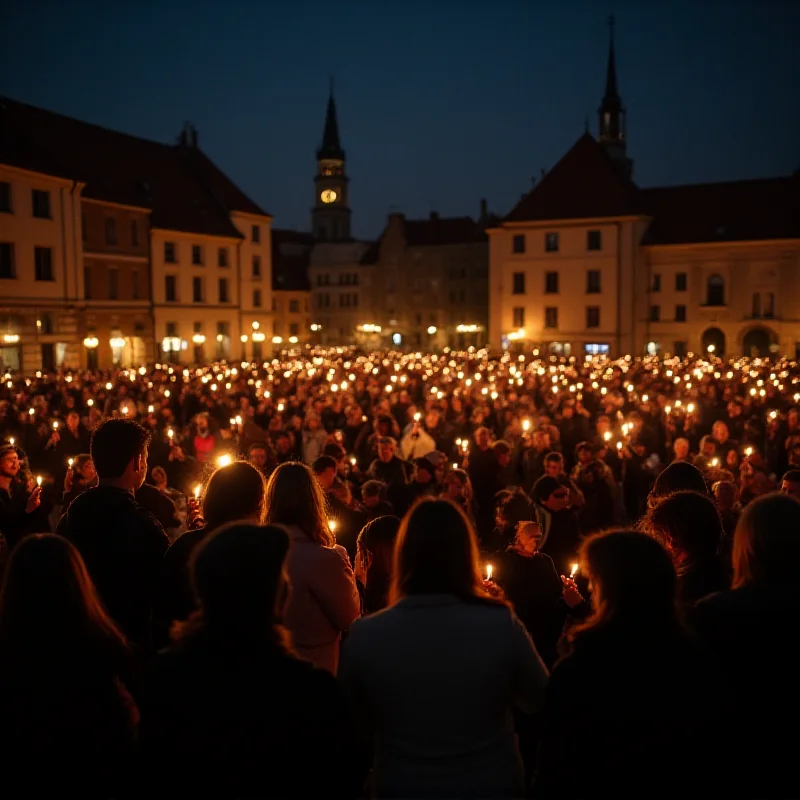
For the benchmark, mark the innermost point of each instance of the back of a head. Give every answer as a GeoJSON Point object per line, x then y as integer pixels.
{"type": "Point", "coordinates": [114, 444]}
{"type": "Point", "coordinates": [766, 544]}
{"type": "Point", "coordinates": [294, 497]}
{"type": "Point", "coordinates": [680, 476]}
{"type": "Point", "coordinates": [688, 522]}
{"type": "Point", "coordinates": [237, 576]}
{"type": "Point", "coordinates": [379, 537]}
{"type": "Point", "coordinates": [632, 576]}
{"type": "Point", "coordinates": [436, 553]}
{"type": "Point", "coordinates": [48, 599]}
{"type": "Point", "coordinates": [517, 507]}
{"type": "Point", "coordinates": [234, 492]}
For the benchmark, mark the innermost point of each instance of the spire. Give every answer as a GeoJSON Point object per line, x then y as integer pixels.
{"type": "Point", "coordinates": [611, 70]}
{"type": "Point", "coordinates": [331, 147]}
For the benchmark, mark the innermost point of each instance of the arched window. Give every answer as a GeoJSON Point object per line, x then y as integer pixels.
{"type": "Point", "coordinates": [715, 291]}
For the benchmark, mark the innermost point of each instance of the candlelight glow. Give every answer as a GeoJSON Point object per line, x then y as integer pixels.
{"type": "Point", "coordinates": [197, 492]}
{"type": "Point", "coordinates": [573, 571]}
{"type": "Point", "coordinates": [38, 480]}
{"type": "Point", "coordinates": [224, 460]}
{"type": "Point", "coordinates": [489, 571]}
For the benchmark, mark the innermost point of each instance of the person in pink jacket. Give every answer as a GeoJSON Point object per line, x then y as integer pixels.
{"type": "Point", "coordinates": [324, 599]}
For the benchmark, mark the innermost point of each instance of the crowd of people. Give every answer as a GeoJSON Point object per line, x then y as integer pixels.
{"type": "Point", "coordinates": [402, 575]}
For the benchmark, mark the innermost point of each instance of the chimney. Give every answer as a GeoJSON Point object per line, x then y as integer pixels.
{"type": "Point", "coordinates": [188, 137]}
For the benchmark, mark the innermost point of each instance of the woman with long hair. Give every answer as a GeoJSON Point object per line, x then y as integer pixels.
{"type": "Point", "coordinates": [374, 561]}
{"type": "Point", "coordinates": [689, 526]}
{"type": "Point", "coordinates": [679, 476]}
{"type": "Point", "coordinates": [231, 696]}
{"type": "Point", "coordinates": [325, 600]}
{"type": "Point", "coordinates": [235, 492]}
{"type": "Point", "coordinates": [62, 699]}
{"type": "Point", "coordinates": [749, 629]}
{"type": "Point", "coordinates": [434, 678]}
{"type": "Point", "coordinates": [634, 678]}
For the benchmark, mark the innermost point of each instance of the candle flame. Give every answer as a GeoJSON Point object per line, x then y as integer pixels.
{"type": "Point", "coordinates": [489, 571]}
{"type": "Point", "coordinates": [38, 480]}
{"type": "Point", "coordinates": [573, 571]}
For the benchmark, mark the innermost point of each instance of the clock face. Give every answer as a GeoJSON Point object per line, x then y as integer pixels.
{"type": "Point", "coordinates": [328, 196]}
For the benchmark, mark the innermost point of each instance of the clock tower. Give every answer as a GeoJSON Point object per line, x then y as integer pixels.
{"type": "Point", "coordinates": [330, 217]}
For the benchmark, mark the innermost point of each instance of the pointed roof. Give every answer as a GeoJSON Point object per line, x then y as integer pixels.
{"type": "Point", "coordinates": [331, 147]}
{"type": "Point", "coordinates": [612, 93]}
{"type": "Point", "coordinates": [585, 184]}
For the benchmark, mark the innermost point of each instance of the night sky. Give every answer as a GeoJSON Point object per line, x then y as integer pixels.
{"type": "Point", "coordinates": [441, 102]}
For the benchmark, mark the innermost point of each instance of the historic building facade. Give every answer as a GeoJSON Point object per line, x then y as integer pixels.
{"type": "Point", "coordinates": [589, 263]}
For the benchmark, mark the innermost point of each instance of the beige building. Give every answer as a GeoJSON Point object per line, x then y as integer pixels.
{"type": "Point", "coordinates": [291, 292]}
{"type": "Point", "coordinates": [430, 281]}
{"type": "Point", "coordinates": [119, 250]}
{"type": "Point", "coordinates": [589, 263]}
{"type": "Point", "coordinates": [40, 264]}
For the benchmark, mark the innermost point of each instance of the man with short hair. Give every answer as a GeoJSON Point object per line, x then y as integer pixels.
{"type": "Point", "coordinates": [121, 542]}
{"type": "Point", "coordinates": [790, 483]}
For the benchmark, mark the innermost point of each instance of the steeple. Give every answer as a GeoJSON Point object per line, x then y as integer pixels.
{"type": "Point", "coordinates": [331, 147]}
{"type": "Point", "coordinates": [612, 112]}
{"type": "Point", "coordinates": [330, 216]}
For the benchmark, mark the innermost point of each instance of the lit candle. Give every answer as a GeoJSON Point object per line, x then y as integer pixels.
{"type": "Point", "coordinates": [573, 571]}
{"type": "Point", "coordinates": [526, 425]}
{"type": "Point", "coordinates": [748, 451]}
{"type": "Point", "coordinates": [714, 462]}
{"type": "Point", "coordinates": [70, 462]}
{"type": "Point", "coordinates": [455, 466]}
{"type": "Point", "coordinates": [11, 440]}
{"type": "Point", "coordinates": [332, 524]}
{"type": "Point", "coordinates": [31, 411]}
{"type": "Point", "coordinates": [150, 409]}
{"type": "Point", "coordinates": [353, 460]}
{"type": "Point", "coordinates": [224, 460]}
{"type": "Point", "coordinates": [619, 445]}
{"type": "Point", "coordinates": [197, 492]}
{"type": "Point", "coordinates": [38, 480]}
{"type": "Point", "coordinates": [55, 425]}
{"type": "Point", "coordinates": [488, 572]}
{"type": "Point", "coordinates": [607, 436]}
{"type": "Point", "coordinates": [417, 417]}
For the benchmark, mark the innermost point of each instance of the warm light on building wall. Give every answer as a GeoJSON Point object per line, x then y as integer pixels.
{"type": "Point", "coordinates": [293, 340]}
{"type": "Point", "coordinates": [467, 328]}
{"type": "Point", "coordinates": [243, 338]}
{"type": "Point", "coordinates": [198, 338]}
{"type": "Point", "coordinates": [117, 341]}
{"type": "Point", "coordinates": [370, 328]}
{"type": "Point", "coordinates": [10, 338]}
{"type": "Point", "coordinates": [90, 342]}
{"type": "Point", "coordinates": [277, 340]}
{"type": "Point", "coordinates": [432, 329]}
{"type": "Point", "coordinates": [515, 336]}
{"type": "Point", "coordinates": [258, 336]}
{"type": "Point", "coordinates": [255, 324]}
{"type": "Point", "coordinates": [170, 344]}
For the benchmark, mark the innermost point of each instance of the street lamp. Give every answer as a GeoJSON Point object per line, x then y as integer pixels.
{"type": "Point", "coordinates": [431, 330]}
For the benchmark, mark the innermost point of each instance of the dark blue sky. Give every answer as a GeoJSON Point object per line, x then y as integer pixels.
{"type": "Point", "coordinates": [441, 102]}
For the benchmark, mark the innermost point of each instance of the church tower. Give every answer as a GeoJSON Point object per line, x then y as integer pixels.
{"type": "Point", "coordinates": [612, 112]}
{"type": "Point", "coordinates": [330, 217]}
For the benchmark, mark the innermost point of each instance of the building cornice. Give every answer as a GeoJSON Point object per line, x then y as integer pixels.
{"type": "Point", "coordinates": [742, 243]}
{"type": "Point", "coordinates": [546, 224]}
{"type": "Point", "coordinates": [98, 254]}
{"type": "Point", "coordinates": [97, 202]}
{"type": "Point", "coordinates": [168, 234]}
{"type": "Point", "coordinates": [67, 183]}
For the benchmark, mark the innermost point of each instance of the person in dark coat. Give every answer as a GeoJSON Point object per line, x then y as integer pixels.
{"type": "Point", "coordinates": [638, 681]}
{"type": "Point", "coordinates": [20, 500]}
{"type": "Point", "coordinates": [232, 700]}
{"type": "Point", "coordinates": [559, 523]}
{"type": "Point", "coordinates": [749, 629]}
{"type": "Point", "coordinates": [233, 493]}
{"type": "Point", "coordinates": [121, 542]}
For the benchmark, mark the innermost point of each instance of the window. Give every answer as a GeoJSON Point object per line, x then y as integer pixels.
{"type": "Point", "coordinates": [171, 288]}
{"type": "Point", "coordinates": [551, 283]}
{"type": "Point", "coordinates": [680, 313]}
{"type": "Point", "coordinates": [197, 255]}
{"type": "Point", "coordinates": [518, 243]}
{"type": "Point", "coordinates": [655, 313]}
{"type": "Point", "coordinates": [551, 242]}
{"type": "Point", "coordinates": [87, 283]}
{"type": "Point", "coordinates": [593, 317]}
{"type": "Point", "coordinates": [715, 291]}
{"type": "Point", "coordinates": [680, 281]}
{"type": "Point", "coordinates": [43, 263]}
{"type": "Point", "coordinates": [5, 197]}
{"type": "Point", "coordinates": [222, 257]}
{"type": "Point", "coordinates": [679, 349]}
{"type": "Point", "coordinates": [551, 317]}
{"type": "Point", "coordinates": [256, 266]}
{"type": "Point", "coordinates": [197, 290]}
{"type": "Point", "coordinates": [655, 283]}
{"type": "Point", "coordinates": [519, 317]}
{"type": "Point", "coordinates": [519, 283]}
{"type": "Point", "coordinates": [223, 290]}
{"type": "Point", "coordinates": [768, 304]}
{"type": "Point", "coordinates": [256, 298]}
{"type": "Point", "coordinates": [41, 204]}
{"type": "Point", "coordinates": [294, 329]}
{"type": "Point", "coordinates": [294, 306]}
{"type": "Point", "coordinates": [594, 240]}
{"type": "Point", "coordinates": [111, 230]}
{"type": "Point", "coordinates": [255, 233]}
{"type": "Point", "coordinates": [113, 284]}
{"type": "Point", "coordinates": [7, 271]}
{"type": "Point", "coordinates": [596, 349]}
{"type": "Point", "coordinates": [135, 291]}
{"type": "Point", "coordinates": [593, 281]}
{"type": "Point", "coordinates": [172, 330]}
{"type": "Point", "coordinates": [169, 252]}
{"type": "Point", "coordinates": [134, 233]}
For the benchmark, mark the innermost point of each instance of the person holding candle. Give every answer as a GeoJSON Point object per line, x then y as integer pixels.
{"type": "Point", "coordinates": [81, 475]}
{"type": "Point", "coordinates": [20, 499]}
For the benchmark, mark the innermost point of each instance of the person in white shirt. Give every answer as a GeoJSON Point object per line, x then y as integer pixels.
{"type": "Point", "coordinates": [435, 677]}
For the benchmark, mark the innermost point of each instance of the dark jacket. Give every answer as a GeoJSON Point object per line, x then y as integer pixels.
{"type": "Point", "coordinates": [252, 720]}
{"type": "Point", "coordinates": [122, 545]}
{"type": "Point", "coordinates": [158, 504]}
{"type": "Point", "coordinates": [174, 599]}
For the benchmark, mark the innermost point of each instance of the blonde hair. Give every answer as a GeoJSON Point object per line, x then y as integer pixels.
{"type": "Point", "coordinates": [294, 497]}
